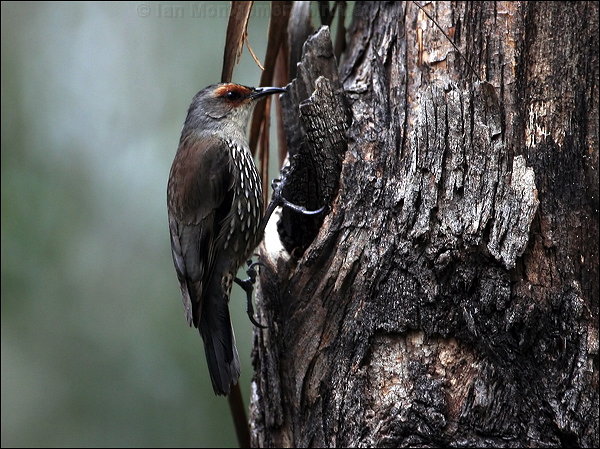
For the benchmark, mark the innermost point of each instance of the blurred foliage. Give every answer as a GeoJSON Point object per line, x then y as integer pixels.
{"type": "Point", "coordinates": [95, 348]}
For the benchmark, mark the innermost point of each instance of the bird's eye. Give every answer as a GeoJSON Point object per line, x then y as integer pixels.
{"type": "Point", "coordinates": [232, 95]}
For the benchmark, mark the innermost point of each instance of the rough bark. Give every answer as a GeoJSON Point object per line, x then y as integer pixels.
{"type": "Point", "coordinates": [450, 294]}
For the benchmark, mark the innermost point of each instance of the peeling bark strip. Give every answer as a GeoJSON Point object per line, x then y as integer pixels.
{"type": "Point", "coordinates": [450, 296]}
{"type": "Point", "coordinates": [315, 102]}
{"type": "Point", "coordinates": [324, 120]}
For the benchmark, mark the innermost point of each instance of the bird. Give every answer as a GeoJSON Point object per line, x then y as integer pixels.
{"type": "Point", "coordinates": [215, 208]}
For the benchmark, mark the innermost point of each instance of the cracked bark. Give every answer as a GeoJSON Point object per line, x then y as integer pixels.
{"type": "Point", "coordinates": [450, 294]}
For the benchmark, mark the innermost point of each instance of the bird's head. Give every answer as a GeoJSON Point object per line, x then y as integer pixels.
{"type": "Point", "coordinates": [226, 106]}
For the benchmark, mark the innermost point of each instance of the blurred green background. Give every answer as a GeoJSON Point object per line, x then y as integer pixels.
{"type": "Point", "coordinates": [95, 347]}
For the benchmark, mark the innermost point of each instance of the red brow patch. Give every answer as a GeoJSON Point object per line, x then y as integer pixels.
{"type": "Point", "coordinates": [241, 90]}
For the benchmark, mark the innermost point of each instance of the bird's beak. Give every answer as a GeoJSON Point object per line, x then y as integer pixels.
{"type": "Point", "coordinates": [260, 92]}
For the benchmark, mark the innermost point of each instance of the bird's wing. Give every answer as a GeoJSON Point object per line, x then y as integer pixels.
{"type": "Point", "coordinates": [200, 193]}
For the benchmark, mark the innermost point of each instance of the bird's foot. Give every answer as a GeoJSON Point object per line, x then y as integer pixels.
{"type": "Point", "coordinates": [248, 286]}
{"type": "Point", "coordinates": [278, 200]}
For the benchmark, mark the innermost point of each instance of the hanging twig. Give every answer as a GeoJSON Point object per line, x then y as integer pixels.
{"type": "Point", "coordinates": [260, 66]}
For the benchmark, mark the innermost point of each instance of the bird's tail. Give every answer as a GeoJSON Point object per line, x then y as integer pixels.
{"type": "Point", "coordinates": [219, 343]}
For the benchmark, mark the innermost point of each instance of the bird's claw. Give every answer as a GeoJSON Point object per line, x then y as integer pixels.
{"type": "Point", "coordinates": [300, 209]}
{"type": "Point", "coordinates": [248, 286]}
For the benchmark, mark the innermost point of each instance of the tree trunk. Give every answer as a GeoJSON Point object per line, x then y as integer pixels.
{"type": "Point", "coordinates": [449, 293]}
